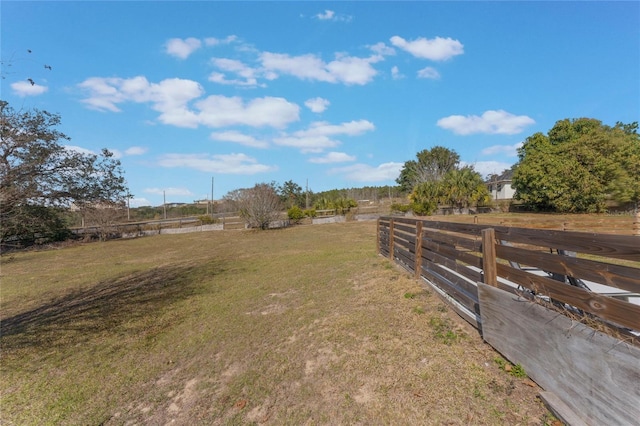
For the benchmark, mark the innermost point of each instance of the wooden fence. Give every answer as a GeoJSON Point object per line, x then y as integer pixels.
{"type": "Point", "coordinates": [503, 280]}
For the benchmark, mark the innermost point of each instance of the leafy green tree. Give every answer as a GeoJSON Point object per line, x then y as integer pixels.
{"type": "Point", "coordinates": [578, 165]}
{"type": "Point", "coordinates": [39, 177]}
{"type": "Point", "coordinates": [291, 194]}
{"type": "Point", "coordinates": [429, 166]}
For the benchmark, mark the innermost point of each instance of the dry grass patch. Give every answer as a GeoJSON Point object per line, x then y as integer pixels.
{"type": "Point", "coordinates": [298, 326]}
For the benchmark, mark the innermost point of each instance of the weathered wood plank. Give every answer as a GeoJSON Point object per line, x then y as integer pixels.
{"type": "Point", "coordinates": [490, 273]}
{"type": "Point", "coordinates": [617, 311]}
{"type": "Point", "coordinates": [561, 410]}
{"type": "Point", "coordinates": [594, 374]}
{"type": "Point", "coordinates": [616, 246]}
{"type": "Point", "coordinates": [451, 252]}
{"type": "Point", "coordinates": [451, 290]}
{"type": "Point", "coordinates": [622, 277]}
{"type": "Point", "coordinates": [468, 242]}
{"type": "Point", "coordinates": [432, 256]}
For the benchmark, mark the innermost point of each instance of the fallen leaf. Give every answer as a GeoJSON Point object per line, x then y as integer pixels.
{"type": "Point", "coordinates": [507, 368]}
{"type": "Point", "coordinates": [529, 382]}
{"type": "Point", "coordinates": [241, 404]}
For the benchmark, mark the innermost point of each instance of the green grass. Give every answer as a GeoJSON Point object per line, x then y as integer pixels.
{"type": "Point", "coordinates": [292, 326]}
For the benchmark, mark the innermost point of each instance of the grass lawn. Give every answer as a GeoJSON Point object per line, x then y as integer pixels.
{"type": "Point", "coordinates": [305, 325]}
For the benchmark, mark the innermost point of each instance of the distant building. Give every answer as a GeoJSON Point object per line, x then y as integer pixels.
{"type": "Point", "coordinates": [500, 186]}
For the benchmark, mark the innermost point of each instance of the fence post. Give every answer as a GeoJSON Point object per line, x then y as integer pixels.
{"type": "Point", "coordinates": [378, 236]}
{"type": "Point", "coordinates": [489, 267]}
{"type": "Point", "coordinates": [418, 250]}
{"type": "Point", "coordinates": [391, 238]}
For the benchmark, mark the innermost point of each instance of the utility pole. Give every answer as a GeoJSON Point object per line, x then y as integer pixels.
{"type": "Point", "coordinates": [212, 196]}
{"type": "Point", "coordinates": [128, 207]}
{"type": "Point", "coordinates": [164, 203]}
{"type": "Point", "coordinates": [306, 203]}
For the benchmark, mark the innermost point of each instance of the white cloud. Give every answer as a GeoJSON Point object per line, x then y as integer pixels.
{"type": "Point", "coordinates": [436, 49]}
{"type": "Point", "coordinates": [486, 168]}
{"type": "Point", "coordinates": [367, 173]}
{"type": "Point", "coordinates": [25, 88]}
{"type": "Point", "coordinates": [171, 97]}
{"type": "Point", "coordinates": [221, 111]}
{"type": "Point", "coordinates": [239, 164]}
{"type": "Point", "coordinates": [239, 138]}
{"type": "Point", "coordinates": [135, 150]}
{"type": "Point", "coordinates": [395, 73]}
{"type": "Point", "coordinates": [327, 15]}
{"type": "Point", "coordinates": [316, 138]}
{"type": "Point", "coordinates": [317, 104]}
{"type": "Point", "coordinates": [212, 41]}
{"type": "Point", "coordinates": [344, 69]}
{"type": "Point", "coordinates": [180, 192]}
{"type": "Point", "coordinates": [333, 157]}
{"type": "Point", "coordinates": [508, 150]}
{"type": "Point", "coordinates": [247, 73]}
{"type": "Point", "coordinates": [429, 72]}
{"type": "Point", "coordinates": [330, 15]}
{"type": "Point", "coordinates": [351, 128]}
{"type": "Point", "coordinates": [491, 122]}
{"type": "Point", "coordinates": [182, 48]}
{"type": "Point", "coordinates": [306, 143]}
{"type": "Point", "coordinates": [382, 49]}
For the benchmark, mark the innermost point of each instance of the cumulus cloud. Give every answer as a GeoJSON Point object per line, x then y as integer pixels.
{"type": "Point", "coordinates": [436, 49]}
{"type": "Point", "coordinates": [239, 138]}
{"type": "Point", "coordinates": [317, 104]}
{"type": "Point", "coordinates": [248, 74]}
{"type": "Point", "coordinates": [317, 137]}
{"type": "Point", "coordinates": [429, 72]}
{"type": "Point", "coordinates": [25, 88]}
{"type": "Point", "coordinates": [171, 98]}
{"type": "Point", "coordinates": [330, 15]}
{"type": "Point", "coordinates": [237, 164]}
{"type": "Point", "coordinates": [382, 49]}
{"type": "Point", "coordinates": [212, 41]}
{"type": "Point", "coordinates": [490, 122]}
{"type": "Point", "coordinates": [351, 128]}
{"type": "Point", "coordinates": [508, 150]}
{"type": "Point", "coordinates": [135, 150]}
{"type": "Point", "coordinates": [221, 111]}
{"type": "Point", "coordinates": [327, 15]}
{"type": "Point", "coordinates": [344, 69]}
{"type": "Point", "coordinates": [366, 173]}
{"type": "Point", "coordinates": [395, 73]}
{"type": "Point", "coordinates": [182, 48]}
{"type": "Point", "coordinates": [180, 192]}
{"type": "Point", "coordinates": [333, 157]}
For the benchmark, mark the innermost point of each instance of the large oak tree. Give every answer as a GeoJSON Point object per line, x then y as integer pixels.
{"type": "Point", "coordinates": [578, 165]}
{"type": "Point", "coordinates": [40, 177]}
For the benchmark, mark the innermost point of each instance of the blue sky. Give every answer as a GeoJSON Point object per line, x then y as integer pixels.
{"type": "Point", "coordinates": [336, 94]}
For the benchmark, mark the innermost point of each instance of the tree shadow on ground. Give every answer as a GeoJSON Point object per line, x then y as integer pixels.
{"type": "Point", "coordinates": [129, 302]}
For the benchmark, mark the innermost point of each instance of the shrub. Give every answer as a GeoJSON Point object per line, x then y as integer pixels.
{"type": "Point", "coordinates": [295, 214]}
{"type": "Point", "coordinates": [310, 213]}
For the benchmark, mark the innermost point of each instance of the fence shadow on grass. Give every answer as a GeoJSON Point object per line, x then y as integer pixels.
{"type": "Point", "coordinates": [130, 302]}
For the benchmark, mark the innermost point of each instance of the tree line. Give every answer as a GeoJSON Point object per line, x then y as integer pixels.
{"type": "Point", "coordinates": [577, 166]}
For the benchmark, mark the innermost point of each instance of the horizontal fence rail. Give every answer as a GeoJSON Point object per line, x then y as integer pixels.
{"type": "Point", "coordinates": [596, 276]}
